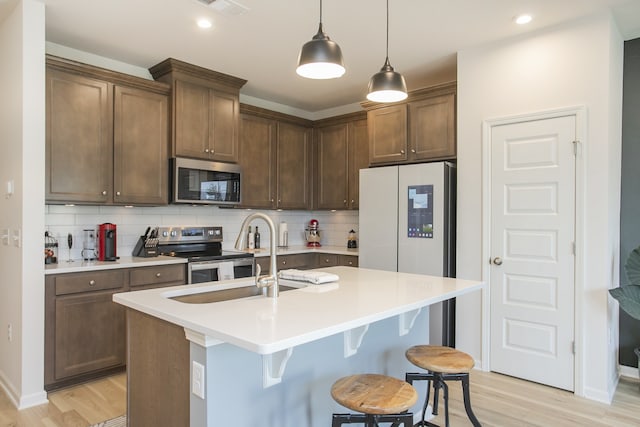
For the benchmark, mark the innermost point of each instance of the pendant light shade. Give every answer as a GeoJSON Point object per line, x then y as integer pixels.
{"type": "Point", "coordinates": [320, 58]}
{"type": "Point", "coordinates": [387, 85]}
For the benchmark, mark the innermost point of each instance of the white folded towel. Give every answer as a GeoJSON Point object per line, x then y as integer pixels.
{"type": "Point", "coordinates": [315, 277]}
{"type": "Point", "coordinates": [225, 271]}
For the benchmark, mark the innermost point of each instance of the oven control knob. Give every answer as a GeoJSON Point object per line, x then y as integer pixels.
{"type": "Point", "coordinates": [174, 233]}
{"type": "Point", "coordinates": [165, 233]}
{"type": "Point", "coordinates": [211, 232]}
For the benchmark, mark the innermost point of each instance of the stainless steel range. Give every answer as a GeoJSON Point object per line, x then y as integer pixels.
{"type": "Point", "coordinates": [202, 246]}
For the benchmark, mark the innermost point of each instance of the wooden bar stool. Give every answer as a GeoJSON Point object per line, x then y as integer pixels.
{"type": "Point", "coordinates": [378, 398]}
{"type": "Point", "coordinates": [443, 364]}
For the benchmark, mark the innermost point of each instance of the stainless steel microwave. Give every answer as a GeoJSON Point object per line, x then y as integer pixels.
{"type": "Point", "coordinates": [204, 182]}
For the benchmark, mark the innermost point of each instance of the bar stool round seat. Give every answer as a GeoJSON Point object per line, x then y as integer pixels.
{"type": "Point", "coordinates": [379, 397]}
{"type": "Point", "coordinates": [442, 364]}
{"type": "Point", "coordinates": [435, 358]}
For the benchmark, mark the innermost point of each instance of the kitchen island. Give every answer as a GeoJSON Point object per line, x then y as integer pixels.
{"type": "Point", "coordinates": [271, 362]}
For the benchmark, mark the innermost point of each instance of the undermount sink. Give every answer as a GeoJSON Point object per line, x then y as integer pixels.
{"type": "Point", "coordinates": [225, 294]}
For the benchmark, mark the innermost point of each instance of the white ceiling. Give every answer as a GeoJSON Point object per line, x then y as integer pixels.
{"type": "Point", "coordinates": [262, 45]}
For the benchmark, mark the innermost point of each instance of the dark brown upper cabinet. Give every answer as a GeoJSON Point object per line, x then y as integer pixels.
{"type": "Point", "coordinates": [275, 155]}
{"type": "Point", "coordinates": [106, 136]}
{"type": "Point", "coordinates": [421, 129]}
{"type": "Point", "coordinates": [341, 146]}
{"type": "Point", "coordinates": [205, 111]}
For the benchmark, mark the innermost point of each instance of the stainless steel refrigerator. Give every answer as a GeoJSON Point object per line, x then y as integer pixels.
{"type": "Point", "coordinates": [407, 224]}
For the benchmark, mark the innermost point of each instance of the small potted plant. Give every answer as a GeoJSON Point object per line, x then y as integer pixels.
{"type": "Point", "coordinates": [629, 296]}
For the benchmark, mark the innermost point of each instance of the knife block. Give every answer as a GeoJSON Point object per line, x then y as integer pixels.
{"type": "Point", "coordinates": [146, 247]}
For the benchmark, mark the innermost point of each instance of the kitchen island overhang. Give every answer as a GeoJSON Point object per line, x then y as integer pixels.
{"type": "Point", "coordinates": [310, 319]}
{"type": "Point", "coordinates": [360, 297]}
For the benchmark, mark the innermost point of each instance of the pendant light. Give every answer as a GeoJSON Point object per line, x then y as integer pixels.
{"type": "Point", "coordinates": [387, 85]}
{"type": "Point", "coordinates": [320, 58]}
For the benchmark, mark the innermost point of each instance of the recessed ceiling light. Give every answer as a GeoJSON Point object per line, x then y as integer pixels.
{"type": "Point", "coordinates": [523, 19]}
{"type": "Point", "coordinates": [204, 23]}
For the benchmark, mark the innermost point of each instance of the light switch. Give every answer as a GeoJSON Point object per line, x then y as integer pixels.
{"type": "Point", "coordinates": [17, 238]}
{"type": "Point", "coordinates": [5, 236]}
{"type": "Point", "coordinates": [10, 188]}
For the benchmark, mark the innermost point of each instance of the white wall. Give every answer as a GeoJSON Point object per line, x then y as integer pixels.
{"type": "Point", "coordinates": [577, 64]}
{"type": "Point", "coordinates": [23, 138]}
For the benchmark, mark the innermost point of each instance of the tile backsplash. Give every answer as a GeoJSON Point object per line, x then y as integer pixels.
{"type": "Point", "coordinates": [132, 222]}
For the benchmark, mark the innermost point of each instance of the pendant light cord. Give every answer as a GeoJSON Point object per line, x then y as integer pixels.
{"type": "Point", "coordinates": [320, 12]}
{"type": "Point", "coordinates": [387, 53]}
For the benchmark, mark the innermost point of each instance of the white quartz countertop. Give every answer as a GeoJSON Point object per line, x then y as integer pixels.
{"type": "Point", "coordinates": [80, 266]}
{"type": "Point", "coordinates": [301, 249]}
{"type": "Point", "coordinates": [266, 326]}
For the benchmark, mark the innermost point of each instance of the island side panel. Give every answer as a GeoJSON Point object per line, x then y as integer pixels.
{"type": "Point", "coordinates": [235, 395]}
{"type": "Point", "coordinates": [157, 372]}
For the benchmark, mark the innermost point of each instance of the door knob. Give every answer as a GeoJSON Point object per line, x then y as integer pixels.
{"type": "Point", "coordinates": [497, 260]}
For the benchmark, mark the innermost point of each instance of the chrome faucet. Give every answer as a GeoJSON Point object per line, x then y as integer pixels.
{"type": "Point", "coordinates": [269, 281]}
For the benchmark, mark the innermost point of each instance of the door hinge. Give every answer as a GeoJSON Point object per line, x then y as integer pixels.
{"type": "Point", "coordinates": [573, 347]}
{"type": "Point", "coordinates": [575, 147]}
{"type": "Point", "coordinates": [573, 248]}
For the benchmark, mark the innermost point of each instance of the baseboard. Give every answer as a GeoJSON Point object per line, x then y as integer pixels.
{"type": "Point", "coordinates": [599, 395]}
{"type": "Point", "coordinates": [34, 399]}
{"type": "Point", "coordinates": [21, 402]}
{"type": "Point", "coordinates": [630, 372]}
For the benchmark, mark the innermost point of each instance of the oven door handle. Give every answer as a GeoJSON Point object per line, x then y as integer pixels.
{"type": "Point", "coordinates": [199, 266]}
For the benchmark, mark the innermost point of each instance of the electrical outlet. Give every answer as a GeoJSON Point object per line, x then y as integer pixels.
{"type": "Point", "coordinates": [197, 380]}
{"type": "Point", "coordinates": [9, 332]}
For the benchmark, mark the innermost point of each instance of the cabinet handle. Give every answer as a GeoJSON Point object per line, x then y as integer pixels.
{"type": "Point", "coordinates": [350, 262]}
{"type": "Point", "coordinates": [104, 193]}
{"type": "Point", "coordinates": [326, 260]}
{"type": "Point", "coordinates": [206, 150]}
{"type": "Point", "coordinates": [352, 201]}
{"type": "Point", "coordinates": [158, 274]}
{"type": "Point", "coordinates": [344, 201]}
{"type": "Point", "coordinates": [92, 282]}
{"type": "Point", "coordinates": [117, 193]}
{"type": "Point", "coordinates": [401, 151]}
{"type": "Point", "coordinates": [212, 151]}
{"type": "Point", "coordinates": [284, 262]}
{"type": "Point", "coordinates": [413, 150]}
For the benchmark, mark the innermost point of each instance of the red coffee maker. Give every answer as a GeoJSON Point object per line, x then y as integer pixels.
{"type": "Point", "coordinates": [107, 242]}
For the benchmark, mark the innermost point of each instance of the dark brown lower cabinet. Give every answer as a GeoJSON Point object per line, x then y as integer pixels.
{"type": "Point", "coordinates": [85, 331]}
{"type": "Point", "coordinates": [307, 261]}
{"type": "Point", "coordinates": [88, 334]}
{"type": "Point", "coordinates": [158, 372]}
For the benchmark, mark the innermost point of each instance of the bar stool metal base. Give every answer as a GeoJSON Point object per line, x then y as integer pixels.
{"type": "Point", "coordinates": [370, 420]}
{"type": "Point", "coordinates": [438, 383]}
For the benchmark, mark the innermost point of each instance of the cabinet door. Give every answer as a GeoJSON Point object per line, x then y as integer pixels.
{"type": "Point", "coordinates": [89, 334]}
{"type": "Point", "coordinates": [358, 159]}
{"type": "Point", "coordinates": [293, 154]}
{"type": "Point", "coordinates": [79, 160]}
{"type": "Point", "coordinates": [332, 166]}
{"type": "Point", "coordinates": [223, 121]}
{"type": "Point", "coordinates": [257, 158]}
{"type": "Point", "coordinates": [387, 134]}
{"type": "Point", "coordinates": [191, 121]}
{"type": "Point", "coordinates": [140, 139]}
{"type": "Point", "coordinates": [432, 134]}
{"type": "Point", "coordinates": [348, 260]}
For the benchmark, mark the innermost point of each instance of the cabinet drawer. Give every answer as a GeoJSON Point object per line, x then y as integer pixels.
{"type": "Point", "coordinates": [300, 261]}
{"type": "Point", "coordinates": [157, 275]}
{"type": "Point", "coordinates": [348, 260]}
{"type": "Point", "coordinates": [327, 260]}
{"type": "Point", "coordinates": [88, 282]}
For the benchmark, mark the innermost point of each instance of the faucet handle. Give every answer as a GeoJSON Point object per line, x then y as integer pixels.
{"type": "Point", "coordinates": [258, 271]}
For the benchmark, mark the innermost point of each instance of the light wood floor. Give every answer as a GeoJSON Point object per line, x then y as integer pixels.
{"type": "Point", "coordinates": [78, 406]}
{"type": "Point", "coordinates": [497, 400]}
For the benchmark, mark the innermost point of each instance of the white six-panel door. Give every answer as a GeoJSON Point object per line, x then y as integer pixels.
{"type": "Point", "coordinates": [532, 250]}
